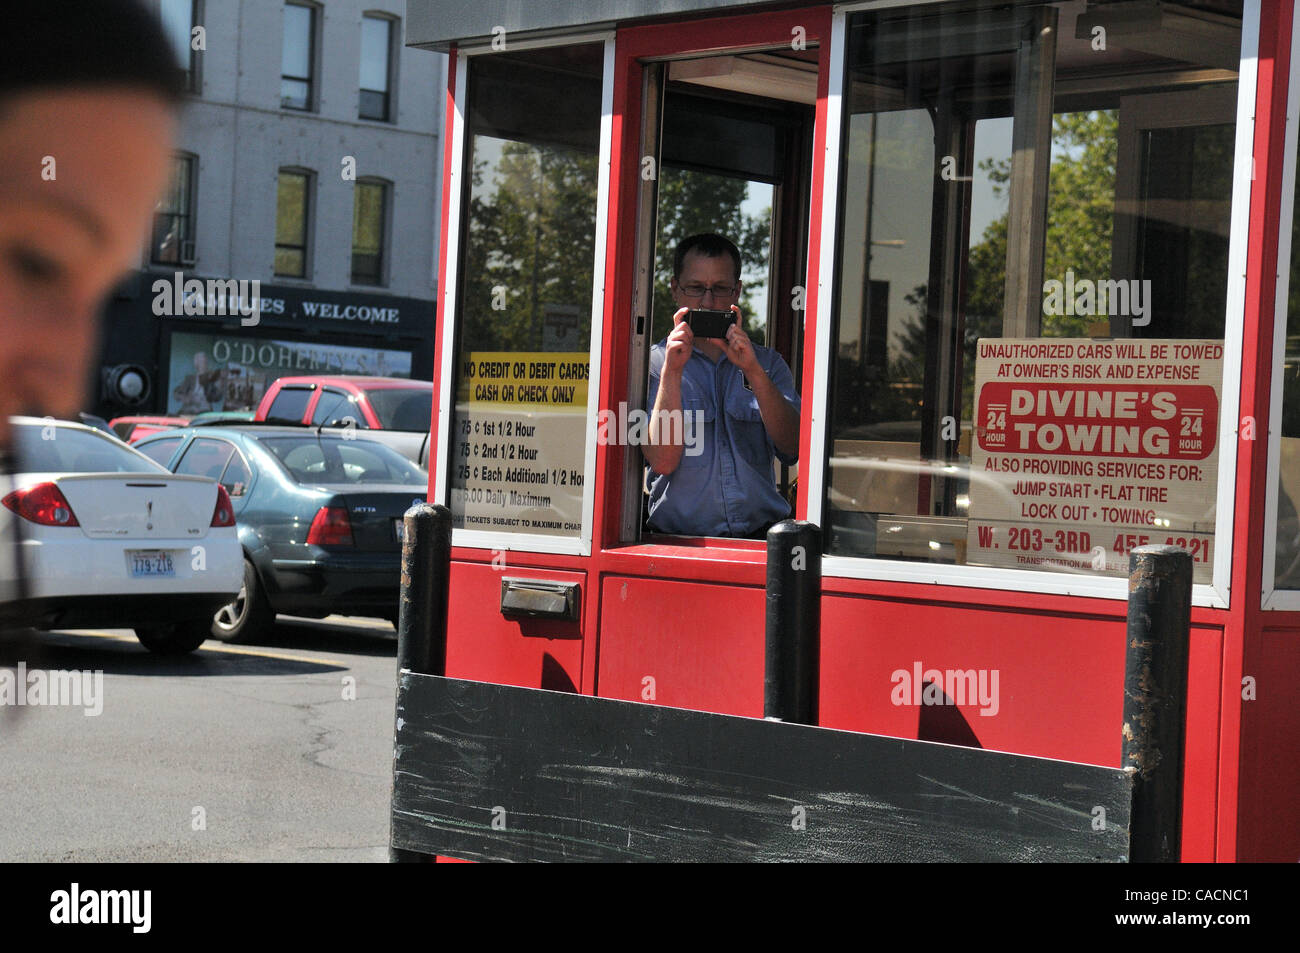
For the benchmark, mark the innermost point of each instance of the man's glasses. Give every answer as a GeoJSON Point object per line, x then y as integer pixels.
{"type": "Point", "coordinates": [699, 291]}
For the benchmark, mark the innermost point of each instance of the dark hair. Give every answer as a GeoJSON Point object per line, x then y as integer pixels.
{"type": "Point", "coordinates": [67, 43]}
{"type": "Point", "coordinates": [708, 245]}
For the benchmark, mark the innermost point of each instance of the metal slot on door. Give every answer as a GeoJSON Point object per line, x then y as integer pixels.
{"type": "Point", "coordinates": [539, 599]}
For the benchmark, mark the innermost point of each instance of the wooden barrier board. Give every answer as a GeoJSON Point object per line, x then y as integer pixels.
{"type": "Point", "coordinates": [494, 772]}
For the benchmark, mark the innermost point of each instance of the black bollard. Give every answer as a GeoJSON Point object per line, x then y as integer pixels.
{"type": "Point", "coordinates": [1155, 697]}
{"type": "Point", "coordinates": [794, 578]}
{"type": "Point", "coordinates": [422, 609]}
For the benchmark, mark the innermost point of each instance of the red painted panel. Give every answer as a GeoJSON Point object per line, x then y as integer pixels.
{"type": "Point", "coordinates": [701, 644]}
{"type": "Point", "coordinates": [485, 646]}
{"type": "Point", "coordinates": [1269, 827]}
{"type": "Point", "coordinates": [1059, 687]}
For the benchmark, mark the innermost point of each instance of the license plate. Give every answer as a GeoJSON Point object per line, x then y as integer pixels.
{"type": "Point", "coordinates": [399, 529]}
{"type": "Point", "coordinates": [150, 562]}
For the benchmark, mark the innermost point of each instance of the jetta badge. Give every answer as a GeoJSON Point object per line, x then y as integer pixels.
{"type": "Point", "coordinates": [149, 515]}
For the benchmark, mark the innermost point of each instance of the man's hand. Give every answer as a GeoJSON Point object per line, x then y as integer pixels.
{"type": "Point", "coordinates": [664, 451]}
{"type": "Point", "coordinates": [681, 340]}
{"type": "Point", "coordinates": [779, 416]}
{"type": "Point", "coordinates": [740, 350]}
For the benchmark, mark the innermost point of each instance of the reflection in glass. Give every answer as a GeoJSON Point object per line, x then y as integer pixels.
{"type": "Point", "coordinates": [296, 57]}
{"type": "Point", "coordinates": [291, 225]}
{"type": "Point", "coordinates": [968, 189]}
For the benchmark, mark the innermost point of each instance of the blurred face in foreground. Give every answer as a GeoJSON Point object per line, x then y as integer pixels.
{"type": "Point", "coordinates": [80, 170]}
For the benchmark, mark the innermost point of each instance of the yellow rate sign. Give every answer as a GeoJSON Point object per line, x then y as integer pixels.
{"type": "Point", "coordinates": [531, 379]}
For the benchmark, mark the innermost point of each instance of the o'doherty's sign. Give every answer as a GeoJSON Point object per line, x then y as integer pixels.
{"type": "Point", "coordinates": [1084, 449]}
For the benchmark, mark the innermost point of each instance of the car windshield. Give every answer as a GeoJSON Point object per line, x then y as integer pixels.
{"type": "Point", "coordinates": [402, 408]}
{"type": "Point", "coordinates": [49, 448]}
{"type": "Point", "coordinates": [312, 459]}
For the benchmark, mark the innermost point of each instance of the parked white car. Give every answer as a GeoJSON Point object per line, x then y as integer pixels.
{"type": "Point", "coordinates": [111, 539]}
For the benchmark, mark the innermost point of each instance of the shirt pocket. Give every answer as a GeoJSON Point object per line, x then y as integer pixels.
{"type": "Point", "coordinates": [745, 422]}
{"type": "Point", "coordinates": [697, 430]}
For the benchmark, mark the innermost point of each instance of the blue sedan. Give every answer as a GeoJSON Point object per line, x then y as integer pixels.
{"type": "Point", "coordinates": [319, 517]}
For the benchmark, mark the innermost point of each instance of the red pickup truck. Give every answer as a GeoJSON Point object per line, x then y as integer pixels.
{"type": "Point", "coordinates": [393, 410]}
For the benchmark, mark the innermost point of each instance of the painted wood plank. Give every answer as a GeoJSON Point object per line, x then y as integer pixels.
{"type": "Point", "coordinates": [494, 772]}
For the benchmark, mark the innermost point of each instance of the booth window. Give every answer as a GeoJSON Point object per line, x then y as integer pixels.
{"type": "Point", "coordinates": [173, 217]}
{"type": "Point", "coordinates": [298, 57]}
{"type": "Point", "coordinates": [376, 67]}
{"type": "Point", "coordinates": [1032, 281]}
{"type": "Point", "coordinates": [292, 214]}
{"type": "Point", "coordinates": [369, 221]}
{"type": "Point", "coordinates": [525, 290]}
{"type": "Point", "coordinates": [179, 17]}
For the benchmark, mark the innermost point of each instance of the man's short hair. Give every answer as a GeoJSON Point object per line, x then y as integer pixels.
{"type": "Point", "coordinates": [710, 246]}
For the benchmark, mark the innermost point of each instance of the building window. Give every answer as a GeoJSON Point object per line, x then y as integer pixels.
{"type": "Point", "coordinates": [376, 67]}
{"type": "Point", "coordinates": [368, 223]}
{"type": "Point", "coordinates": [173, 217]}
{"type": "Point", "coordinates": [179, 18]}
{"type": "Point", "coordinates": [292, 212]}
{"type": "Point", "coordinates": [297, 61]}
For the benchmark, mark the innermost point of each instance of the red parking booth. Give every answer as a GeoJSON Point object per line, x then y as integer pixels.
{"type": "Point", "coordinates": [1027, 266]}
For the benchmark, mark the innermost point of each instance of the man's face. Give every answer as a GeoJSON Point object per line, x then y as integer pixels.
{"type": "Point", "coordinates": [200, 362]}
{"type": "Point", "coordinates": [80, 171]}
{"type": "Point", "coordinates": [701, 271]}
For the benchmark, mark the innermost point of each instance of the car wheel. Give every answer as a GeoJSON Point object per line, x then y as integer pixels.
{"type": "Point", "coordinates": [248, 616]}
{"type": "Point", "coordinates": [177, 638]}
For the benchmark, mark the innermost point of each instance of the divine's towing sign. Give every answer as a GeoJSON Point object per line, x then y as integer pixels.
{"type": "Point", "coordinates": [1097, 446]}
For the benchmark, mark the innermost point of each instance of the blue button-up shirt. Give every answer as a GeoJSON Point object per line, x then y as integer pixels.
{"type": "Point", "coordinates": [728, 489]}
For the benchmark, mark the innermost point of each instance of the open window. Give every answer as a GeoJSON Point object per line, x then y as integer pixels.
{"type": "Point", "coordinates": [727, 149]}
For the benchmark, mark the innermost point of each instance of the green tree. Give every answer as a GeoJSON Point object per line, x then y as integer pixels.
{"type": "Point", "coordinates": [531, 244]}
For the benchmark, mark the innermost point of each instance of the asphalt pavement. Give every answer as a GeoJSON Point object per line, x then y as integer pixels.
{"type": "Point", "coordinates": [279, 751]}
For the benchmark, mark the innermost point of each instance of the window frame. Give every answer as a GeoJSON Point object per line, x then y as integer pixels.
{"type": "Point", "coordinates": [190, 160]}
{"type": "Point", "coordinates": [313, 58]}
{"type": "Point", "coordinates": [1273, 599]}
{"type": "Point", "coordinates": [394, 47]}
{"type": "Point", "coordinates": [308, 215]}
{"type": "Point", "coordinates": [1215, 595]}
{"type": "Point", "coordinates": [385, 222]}
{"type": "Point", "coordinates": [457, 200]}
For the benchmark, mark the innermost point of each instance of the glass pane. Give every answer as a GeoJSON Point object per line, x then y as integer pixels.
{"type": "Point", "coordinates": [160, 451]}
{"type": "Point", "coordinates": [206, 458]}
{"type": "Point", "coordinates": [291, 209]}
{"type": "Point", "coordinates": [1029, 340]}
{"type": "Point", "coordinates": [526, 291]}
{"type": "Point", "coordinates": [296, 51]}
{"type": "Point", "coordinates": [76, 451]}
{"type": "Point", "coordinates": [289, 405]}
{"type": "Point", "coordinates": [290, 262]}
{"type": "Point", "coordinates": [237, 476]}
{"type": "Point", "coordinates": [178, 20]}
{"type": "Point", "coordinates": [294, 94]}
{"type": "Point", "coordinates": [1287, 556]}
{"type": "Point", "coordinates": [373, 105]}
{"type": "Point", "coordinates": [374, 53]}
{"type": "Point", "coordinates": [368, 232]}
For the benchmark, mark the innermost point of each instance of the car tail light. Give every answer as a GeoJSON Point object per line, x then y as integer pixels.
{"type": "Point", "coordinates": [331, 527]}
{"type": "Point", "coordinates": [43, 503]}
{"type": "Point", "coordinates": [224, 514]}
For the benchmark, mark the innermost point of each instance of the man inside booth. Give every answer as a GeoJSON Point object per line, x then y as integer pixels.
{"type": "Point", "coordinates": [723, 409]}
